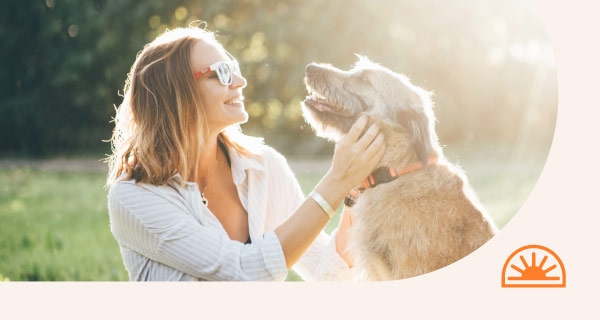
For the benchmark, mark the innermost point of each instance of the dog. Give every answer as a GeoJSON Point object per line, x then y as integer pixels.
{"type": "Point", "coordinates": [421, 215]}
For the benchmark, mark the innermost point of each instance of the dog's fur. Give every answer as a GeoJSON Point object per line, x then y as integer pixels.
{"type": "Point", "coordinates": [425, 219]}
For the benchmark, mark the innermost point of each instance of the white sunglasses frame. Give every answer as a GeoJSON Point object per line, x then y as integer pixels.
{"type": "Point", "coordinates": [215, 67]}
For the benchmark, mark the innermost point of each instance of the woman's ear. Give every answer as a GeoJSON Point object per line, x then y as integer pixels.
{"type": "Point", "coordinates": [417, 125]}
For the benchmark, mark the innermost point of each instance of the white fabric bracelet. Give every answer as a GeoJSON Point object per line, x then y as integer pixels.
{"type": "Point", "coordinates": [322, 203]}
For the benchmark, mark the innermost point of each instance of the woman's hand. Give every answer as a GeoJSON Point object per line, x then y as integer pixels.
{"type": "Point", "coordinates": [354, 159]}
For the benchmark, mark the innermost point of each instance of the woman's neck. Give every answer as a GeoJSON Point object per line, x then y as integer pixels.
{"type": "Point", "coordinates": [208, 160]}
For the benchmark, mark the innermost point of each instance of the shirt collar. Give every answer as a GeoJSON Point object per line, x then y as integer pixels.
{"type": "Point", "coordinates": [241, 163]}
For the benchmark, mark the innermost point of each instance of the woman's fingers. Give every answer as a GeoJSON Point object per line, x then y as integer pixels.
{"type": "Point", "coordinates": [355, 130]}
{"type": "Point", "coordinates": [374, 153]}
{"type": "Point", "coordinates": [376, 146]}
{"type": "Point", "coordinates": [368, 138]}
{"type": "Point", "coordinates": [355, 158]}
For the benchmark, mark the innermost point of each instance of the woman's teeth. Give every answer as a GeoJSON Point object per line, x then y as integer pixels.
{"type": "Point", "coordinates": [234, 101]}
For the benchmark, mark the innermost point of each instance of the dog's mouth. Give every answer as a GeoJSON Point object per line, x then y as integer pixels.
{"type": "Point", "coordinates": [326, 114]}
{"type": "Point", "coordinates": [319, 102]}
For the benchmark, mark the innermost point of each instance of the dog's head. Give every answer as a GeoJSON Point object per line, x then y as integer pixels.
{"type": "Point", "coordinates": [337, 98]}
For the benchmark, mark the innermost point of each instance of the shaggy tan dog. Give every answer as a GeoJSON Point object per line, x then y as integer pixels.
{"type": "Point", "coordinates": [426, 218]}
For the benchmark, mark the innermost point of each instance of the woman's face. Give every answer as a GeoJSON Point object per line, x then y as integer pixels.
{"type": "Point", "coordinates": [223, 105]}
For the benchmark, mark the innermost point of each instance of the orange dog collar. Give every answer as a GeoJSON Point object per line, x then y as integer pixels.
{"type": "Point", "coordinates": [384, 175]}
{"type": "Point", "coordinates": [387, 174]}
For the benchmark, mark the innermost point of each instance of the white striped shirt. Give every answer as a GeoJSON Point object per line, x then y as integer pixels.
{"type": "Point", "coordinates": [166, 233]}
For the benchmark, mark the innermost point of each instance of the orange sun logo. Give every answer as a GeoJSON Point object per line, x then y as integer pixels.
{"type": "Point", "coordinates": [525, 273]}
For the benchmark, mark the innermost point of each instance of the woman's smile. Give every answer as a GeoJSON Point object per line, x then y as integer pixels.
{"type": "Point", "coordinates": [236, 102]}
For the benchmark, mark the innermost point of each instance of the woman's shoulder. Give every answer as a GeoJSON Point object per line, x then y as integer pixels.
{"type": "Point", "coordinates": [264, 154]}
{"type": "Point", "coordinates": [123, 187]}
{"type": "Point", "coordinates": [121, 183]}
{"type": "Point", "coordinates": [272, 154]}
{"type": "Point", "coordinates": [128, 197]}
{"type": "Point", "coordinates": [273, 159]}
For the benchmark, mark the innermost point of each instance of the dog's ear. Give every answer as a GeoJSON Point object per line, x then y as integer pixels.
{"type": "Point", "coordinates": [417, 125]}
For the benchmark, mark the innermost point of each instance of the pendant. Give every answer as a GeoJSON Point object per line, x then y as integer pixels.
{"type": "Point", "coordinates": [204, 200]}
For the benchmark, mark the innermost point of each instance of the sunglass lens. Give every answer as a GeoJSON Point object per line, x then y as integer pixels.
{"type": "Point", "coordinates": [225, 74]}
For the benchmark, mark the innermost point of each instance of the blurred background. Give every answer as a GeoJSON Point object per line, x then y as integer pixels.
{"type": "Point", "coordinates": [64, 63]}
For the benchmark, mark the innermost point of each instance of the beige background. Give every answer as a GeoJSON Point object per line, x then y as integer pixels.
{"type": "Point", "coordinates": [562, 213]}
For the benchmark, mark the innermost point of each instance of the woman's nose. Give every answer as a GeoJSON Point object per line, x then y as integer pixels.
{"type": "Point", "coordinates": [238, 81]}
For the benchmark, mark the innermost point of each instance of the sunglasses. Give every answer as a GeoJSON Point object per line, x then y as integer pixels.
{"type": "Point", "coordinates": [224, 70]}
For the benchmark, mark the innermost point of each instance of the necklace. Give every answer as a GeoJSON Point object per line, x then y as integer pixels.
{"type": "Point", "coordinates": [204, 200]}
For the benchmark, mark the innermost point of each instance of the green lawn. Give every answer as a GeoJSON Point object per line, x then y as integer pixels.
{"type": "Point", "coordinates": [54, 224]}
{"type": "Point", "coordinates": [55, 227]}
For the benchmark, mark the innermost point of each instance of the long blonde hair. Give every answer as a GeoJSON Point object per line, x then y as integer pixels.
{"type": "Point", "coordinates": [160, 126]}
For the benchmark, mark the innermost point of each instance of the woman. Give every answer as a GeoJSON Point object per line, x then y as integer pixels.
{"type": "Point", "coordinates": [191, 198]}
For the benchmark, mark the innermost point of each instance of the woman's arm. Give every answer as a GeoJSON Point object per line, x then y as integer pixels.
{"type": "Point", "coordinates": [155, 223]}
{"type": "Point", "coordinates": [353, 161]}
{"type": "Point", "coordinates": [321, 261]}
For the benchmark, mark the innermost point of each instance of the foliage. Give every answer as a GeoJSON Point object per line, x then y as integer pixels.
{"type": "Point", "coordinates": [488, 62]}
{"type": "Point", "coordinates": [63, 62]}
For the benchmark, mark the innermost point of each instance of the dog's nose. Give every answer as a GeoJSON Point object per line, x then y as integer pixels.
{"type": "Point", "coordinates": [311, 68]}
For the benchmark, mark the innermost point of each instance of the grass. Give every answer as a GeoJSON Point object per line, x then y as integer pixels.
{"type": "Point", "coordinates": [55, 224]}
{"type": "Point", "coordinates": [55, 227]}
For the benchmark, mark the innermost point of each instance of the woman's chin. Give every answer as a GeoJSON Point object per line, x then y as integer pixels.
{"type": "Point", "coordinates": [238, 114]}
{"type": "Point", "coordinates": [244, 118]}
